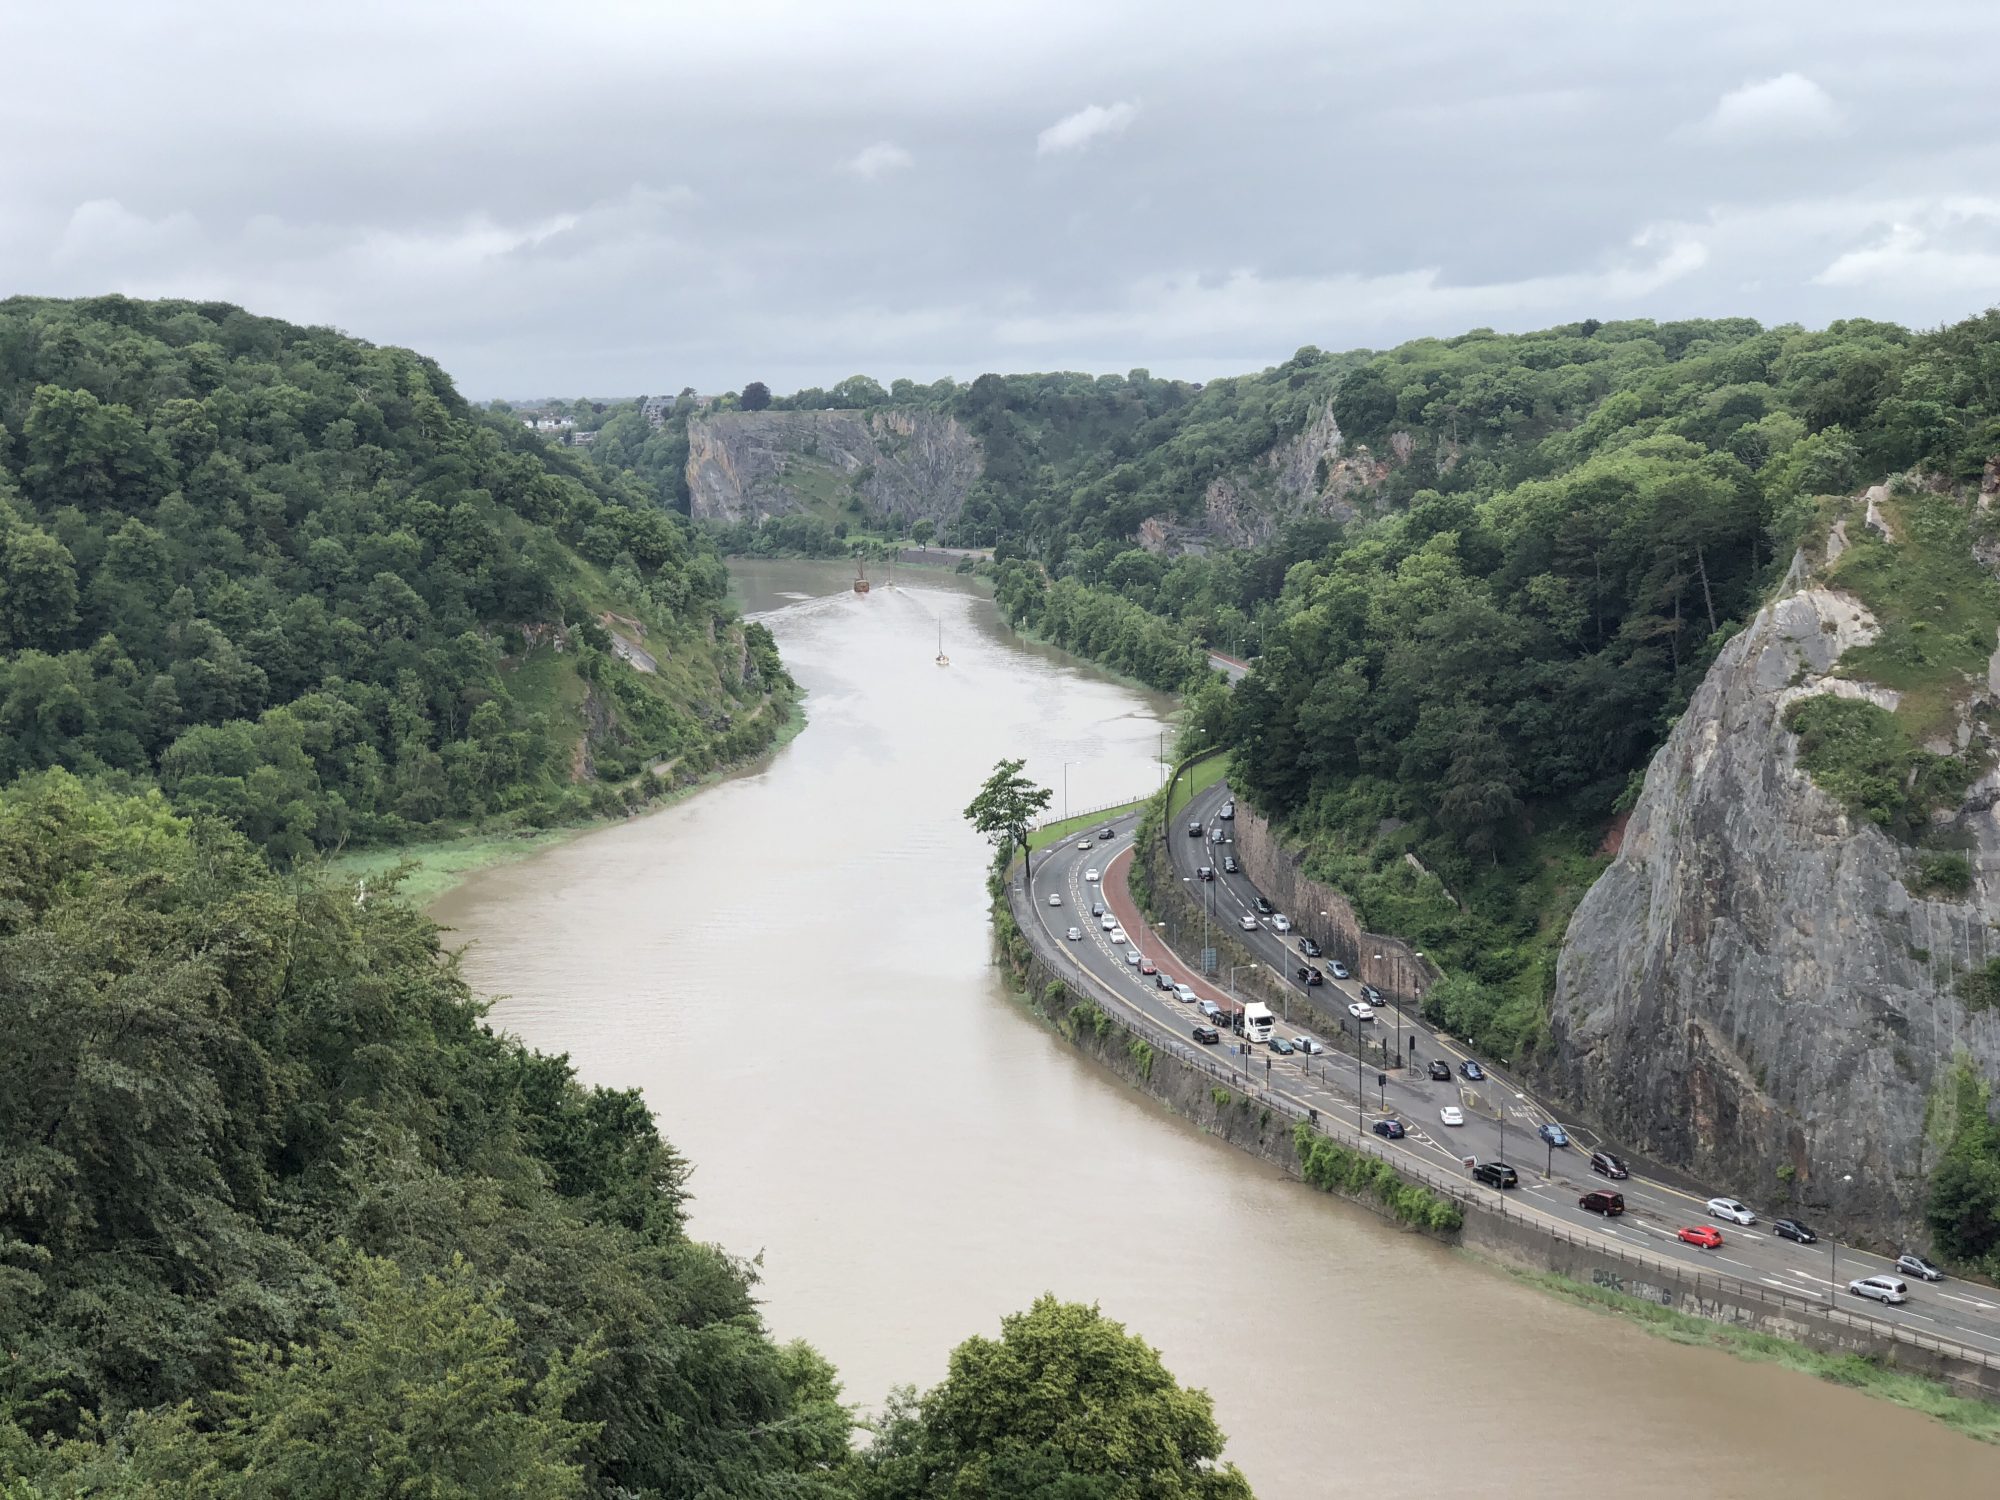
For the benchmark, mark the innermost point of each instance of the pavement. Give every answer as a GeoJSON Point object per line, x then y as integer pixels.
{"type": "Point", "coordinates": [1552, 1179]}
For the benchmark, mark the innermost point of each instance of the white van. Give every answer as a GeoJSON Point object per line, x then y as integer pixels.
{"type": "Point", "coordinates": [1880, 1289]}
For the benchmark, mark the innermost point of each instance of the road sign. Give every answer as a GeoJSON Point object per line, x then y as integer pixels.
{"type": "Point", "coordinates": [1208, 960]}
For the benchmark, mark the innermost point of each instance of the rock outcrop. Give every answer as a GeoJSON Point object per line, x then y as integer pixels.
{"type": "Point", "coordinates": [1752, 990]}
{"type": "Point", "coordinates": [907, 464]}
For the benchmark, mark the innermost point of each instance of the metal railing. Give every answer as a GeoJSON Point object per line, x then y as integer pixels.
{"type": "Point", "coordinates": [1127, 1015]}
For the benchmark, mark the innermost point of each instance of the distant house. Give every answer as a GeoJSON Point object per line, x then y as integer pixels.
{"type": "Point", "coordinates": [582, 439]}
{"type": "Point", "coordinates": [657, 409]}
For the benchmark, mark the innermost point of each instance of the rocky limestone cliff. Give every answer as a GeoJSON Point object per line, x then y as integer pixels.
{"type": "Point", "coordinates": [1751, 990]}
{"type": "Point", "coordinates": [751, 465]}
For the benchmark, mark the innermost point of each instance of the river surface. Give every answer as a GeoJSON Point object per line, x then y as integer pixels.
{"type": "Point", "coordinates": [794, 967]}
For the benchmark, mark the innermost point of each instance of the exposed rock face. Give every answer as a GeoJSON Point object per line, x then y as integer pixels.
{"type": "Point", "coordinates": [750, 465]}
{"type": "Point", "coordinates": [1751, 986]}
{"type": "Point", "coordinates": [1303, 475]}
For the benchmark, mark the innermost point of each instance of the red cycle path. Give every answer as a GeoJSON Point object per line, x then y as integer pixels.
{"type": "Point", "coordinates": [1118, 901]}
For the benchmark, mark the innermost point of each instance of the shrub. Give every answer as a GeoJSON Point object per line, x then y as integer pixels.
{"type": "Point", "coordinates": [1334, 1168]}
{"type": "Point", "coordinates": [1943, 874]}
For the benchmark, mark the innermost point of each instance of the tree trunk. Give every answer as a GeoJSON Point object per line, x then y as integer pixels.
{"type": "Point", "coordinates": [1701, 567]}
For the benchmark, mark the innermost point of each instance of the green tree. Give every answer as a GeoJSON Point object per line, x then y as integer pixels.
{"type": "Point", "coordinates": [923, 530]}
{"type": "Point", "coordinates": [1006, 808]}
{"type": "Point", "coordinates": [756, 396]}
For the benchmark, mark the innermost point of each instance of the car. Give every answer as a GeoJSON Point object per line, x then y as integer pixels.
{"type": "Point", "coordinates": [1730, 1209]}
{"type": "Point", "coordinates": [1108, 922]}
{"type": "Point", "coordinates": [1185, 994]}
{"type": "Point", "coordinates": [1496, 1174]}
{"type": "Point", "coordinates": [1194, 830]}
{"type": "Point", "coordinates": [1247, 922]}
{"type": "Point", "coordinates": [1206, 872]}
{"type": "Point", "coordinates": [1372, 995]}
{"type": "Point", "coordinates": [1229, 865]}
{"type": "Point", "coordinates": [1389, 1129]}
{"type": "Point", "coordinates": [1147, 966]}
{"type": "Point", "coordinates": [1309, 976]}
{"type": "Point", "coordinates": [1554, 1134]}
{"type": "Point", "coordinates": [1106, 835]}
{"type": "Point", "coordinates": [1262, 905]}
{"type": "Point", "coordinates": [1132, 957]}
{"type": "Point", "coordinates": [1310, 949]}
{"type": "Point", "coordinates": [1209, 1009]}
{"type": "Point", "coordinates": [1086, 846]}
{"type": "Point", "coordinates": [1117, 933]}
{"type": "Point", "coordinates": [1915, 1265]}
{"type": "Point", "coordinates": [1308, 1046]}
{"type": "Point", "coordinates": [1604, 1164]}
{"type": "Point", "coordinates": [1792, 1229]}
{"type": "Point", "coordinates": [1280, 1046]}
{"type": "Point", "coordinates": [1055, 899]}
{"type": "Point", "coordinates": [1208, 1036]}
{"type": "Point", "coordinates": [1217, 836]}
{"type": "Point", "coordinates": [1451, 1114]}
{"type": "Point", "coordinates": [1097, 908]}
{"type": "Point", "coordinates": [1281, 923]}
{"type": "Point", "coordinates": [1880, 1289]}
{"type": "Point", "coordinates": [1471, 1071]}
{"type": "Point", "coordinates": [1702, 1236]}
{"type": "Point", "coordinates": [1228, 811]}
{"type": "Point", "coordinates": [1339, 970]}
{"type": "Point", "coordinates": [1361, 1010]}
{"type": "Point", "coordinates": [1440, 1070]}
{"type": "Point", "coordinates": [1091, 876]}
{"type": "Point", "coordinates": [1162, 980]}
{"type": "Point", "coordinates": [1076, 934]}
{"type": "Point", "coordinates": [1602, 1201]}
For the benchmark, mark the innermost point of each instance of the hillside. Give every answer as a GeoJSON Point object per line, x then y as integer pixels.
{"type": "Point", "coordinates": [297, 581]}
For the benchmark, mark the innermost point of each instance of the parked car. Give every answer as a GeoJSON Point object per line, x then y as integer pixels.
{"type": "Point", "coordinates": [1880, 1289]}
{"type": "Point", "coordinates": [1309, 976]}
{"type": "Point", "coordinates": [1309, 948]}
{"type": "Point", "coordinates": [1108, 922]}
{"type": "Point", "coordinates": [1208, 1036]}
{"type": "Point", "coordinates": [1147, 966]}
{"type": "Point", "coordinates": [1262, 905]}
{"type": "Point", "coordinates": [1076, 934]}
{"type": "Point", "coordinates": [1055, 899]}
{"type": "Point", "coordinates": [1194, 829]}
{"type": "Point", "coordinates": [1091, 876]}
{"type": "Point", "coordinates": [1308, 1046]}
{"type": "Point", "coordinates": [1915, 1265]}
{"type": "Point", "coordinates": [1372, 995]}
{"type": "Point", "coordinates": [1281, 923]}
{"type": "Point", "coordinates": [1206, 872]}
{"type": "Point", "coordinates": [1602, 1201]}
{"type": "Point", "coordinates": [1792, 1229]}
{"type": "Point", "coordinates": [1106, 835]}
{"type": "Point", "coordinates": [1703, 1236]}
{"type": "Point", "coordinates": [1247, 922]}
{"type": "Point", "coordinates": [1361, 1010]}
{"type": "Point", "coordinates": [1471, 1070]}
{"type": "Point", "coordinates": [1390, 1129]}
{"type": "Point", "coordinates": [1440, 1070]}
{"type": "Point", "coordinates": [1339, 970]}
{"type": "Point", "coordinates": [1604, 1164]}
{"type": "Point", "coordinates": [1732, 1210]}
{"type": "Point", "coordinates": [1185, 994]}
{"type": "Point", "coordinates": [1496, 1174]}
{"type": "Point", "coordinates": [1228, 810]}
{"type": "Point", "coordinates": [1229, 865]}
{"type": "Point", "coordinates": [1132, 957]}
{"type": "Point", "coordinates": [1117, 933]}
{"type": "Point", "coordinates": [1451, 1114]}
{"type": "Point", "coordinates": [1280, 1046]}
{"type": "Point", "coordinates": [1554, 1134]}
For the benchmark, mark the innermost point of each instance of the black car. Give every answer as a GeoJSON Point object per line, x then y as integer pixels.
{"type": "Point", "coordinates": [1309, 976]}
{"type": "Point", "coordinates": [1308, 947]}
{"type": "Point", "coordinates": [1264, 907]}
{"type": "Point", "coordinates": [1372, 995]}
{"type": "Point", "coordinates": [1163, 980]}
{"type": "Point", "coordinates": [1206, 872]}
{"type": "Point", "coordinates": [1792, 1229]}
{"type": "Point", "coordinates": [1097, 908]}
{"type": "Point", "coordinates": [1208, 1036]}
{"type": "Point", "coordinates": [1606, 1165]}
{"type": "Point", "coordinates": [1911, 1264]}
{"type": "Point", "coordinates": [1392, 1129]}
{"type": "Point", "coordinates": [1194, 830]}
{"type": "Point", "coordinates": [1229, 865]}
{"type": "Point", "coordinates": [1281, 1046]}
{"type": "Point", "coordinates": [1106, 835]}
{"type": "Point", "coordinates": [1471, 1070]}
{"type": "Point", "coordinates": [1496, 1174]}
{"type": "Point", "coordinates": [1440, 1070]}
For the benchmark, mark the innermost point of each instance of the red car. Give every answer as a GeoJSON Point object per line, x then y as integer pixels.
{"type": "Point", "coordinates": [1146, 966]}
{"type": "Point", "coordinates": [1707, 1236]}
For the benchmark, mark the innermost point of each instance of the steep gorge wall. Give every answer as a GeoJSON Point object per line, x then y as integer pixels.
{"type": "Point", "coordinates": [1752, 990]}
{"type": "Point", "coordinates": [751, 465]}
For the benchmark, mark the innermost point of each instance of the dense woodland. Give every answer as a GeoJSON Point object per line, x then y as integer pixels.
{"type": "Point", "coordinates": [301, 584]}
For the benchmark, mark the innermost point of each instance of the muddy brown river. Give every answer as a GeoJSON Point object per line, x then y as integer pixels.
{"type": "Point", "coordinates": [794, 967]}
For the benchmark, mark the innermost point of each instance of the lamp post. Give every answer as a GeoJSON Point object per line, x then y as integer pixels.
{"type": "Point", "coordinates": [1833, 1258]}
{"type": "Point", "coordinates": [1066, 765]}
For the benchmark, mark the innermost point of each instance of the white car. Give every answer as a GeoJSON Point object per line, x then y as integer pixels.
{"type": "Point", "coordinates": [1090, 875]}
{"type": "Point", "coordinates": [1076, 934]}
{"type": "Point", "coordinates": [1308, 1046]}
{"type": "Point", "coordinates": [1054, 899]}
{"type": "Point", "coordinates": [1108, 923]}
{"type": "Point", "coordinates": [1087, 845]}
{"type": "Point", "coordinates": [1132, 957]}
{"type": "Point", "coordinates": [1247, 922]}
{"type": "Point", "coordinates": [1730, 1209]}
{"type": "Point", "coordinates": [1117, 933]}
{"type": "Point", "coordinates": [1451, 1114]}
{"type": "Point", "coordinates": [1880, 1288]}
{"type": "Point", "coordinates": [1281, 923]}
{"type": "Point", "coordinates": [1185, 994]}
{"type": "Point", "coordinates": [1361, 1010]}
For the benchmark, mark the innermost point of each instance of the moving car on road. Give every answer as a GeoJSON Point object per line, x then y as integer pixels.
{"type": "Point", "coordinates": [1915, 1265]}
{"type": "Point", "coordinates": [1262, 905]}
{"type": "Point", "coordinates": [1471, 1070]}
{"type": "Point", "coordinates": [1108, 922]}
{"type": "Point", "coordinates": [1281, 1046]}
{"type": "Point", "coordinates": [1097, 908]}
{"type": "Point", "coordinates": [1146, 966]}
{"type": "Point", "coordinates": [1451, 1114]}
{"type": "Point", "coordinates": [1206, 872]}
{"type": "Point", "coordinates": [1732, 1210]}
{"type": "Point", "coordinates": [1085, 845]}
{"type": "Point", "coordinates": [1208, 1036]}
{"type": "Point", "coordinates": [1091, 876]}
{"type": "Point", "coordinates": [1703, 1236]}
{"type": "Point", "coordinates": [1054, 899]}
{"type": "Point", "coordinates": [1440, 1070]}
{"type": "Point", "coordinates": [1308, 1046]}
{"type": "Point", "coordinates": [1229, 865]}
{"type": "Point", "coordinates": [1604, 1164]}
{"type": "Point", "coordinates": [1496, 1174]}
{"type": "Point", "coordinates": [1880, 1289]}
{"type": "Point", "coordinates": [1106, 835]}
{"type": "Point", "coordinates": [1792, 1229]}
{"type": "Point", "coordinates": [1132, 957]}
{"type": "Point", "coordinates": [1554, 1134]}
{"type": "Point", "coordinates": [1228, 811]}
{"type": "Point", "coordinates": [1076, 934]}
{"type": "Point", "coordinates": [1247, 922]}
{"type": "Point", "coordinates": [1339, 970]}
{"type": "Point", "coordinates": [1194, 829]}
{"type": "Point", "coordinates": [1602, 1201]}
{"type": "Point", "coordinates": [1185, 994]}
{"type": "Point", "coordinates": [1309, 976]}
{"type": "Point", "coordinates": [1361, 1010]}
{"type": "Point", "coordinates": [1372, 995]}
{"type": "Point", "coordinates": [1117, 933]}
{"type": "Point", "coordinates": [1389, 1129]}
{"type": "Point", "coordinates": [1163, 980]}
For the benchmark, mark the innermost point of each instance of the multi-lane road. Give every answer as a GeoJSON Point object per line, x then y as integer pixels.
{"type": "Point", "coordinates": [1551, 1181]}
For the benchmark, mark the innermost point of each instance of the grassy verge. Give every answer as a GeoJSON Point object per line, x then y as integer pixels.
{"type": "Point", "coordinates": [1978, 1419]}
{"type": "Point", "coordinates": [1056, 832]}
{"type": "Point", "coordinates": [1198, 779]}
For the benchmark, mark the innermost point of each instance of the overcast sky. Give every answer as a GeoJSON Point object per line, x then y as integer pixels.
{"type": "Point", "coordinates": [623, 198]}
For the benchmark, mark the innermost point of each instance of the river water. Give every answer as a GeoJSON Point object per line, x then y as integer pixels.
{"type": "Point", "coordinates": [794, 967]}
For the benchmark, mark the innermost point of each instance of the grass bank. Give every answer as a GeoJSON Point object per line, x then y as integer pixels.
{"type": "Point", "coordinates": [1199, 778]}
{"type": "Point", "coordinates": [1056, 832]}
{"type": "Point", "coordinates": [1977, 1419]}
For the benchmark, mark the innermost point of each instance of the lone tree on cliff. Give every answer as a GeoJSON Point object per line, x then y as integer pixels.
{"type": "Point", "coordinates": [756, 396]}
{"type": "Point", "coordinates": [1007, 805]}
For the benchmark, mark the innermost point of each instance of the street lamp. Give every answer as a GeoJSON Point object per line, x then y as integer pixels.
{"type": "Point", "coordinates": [1833, 1258]}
